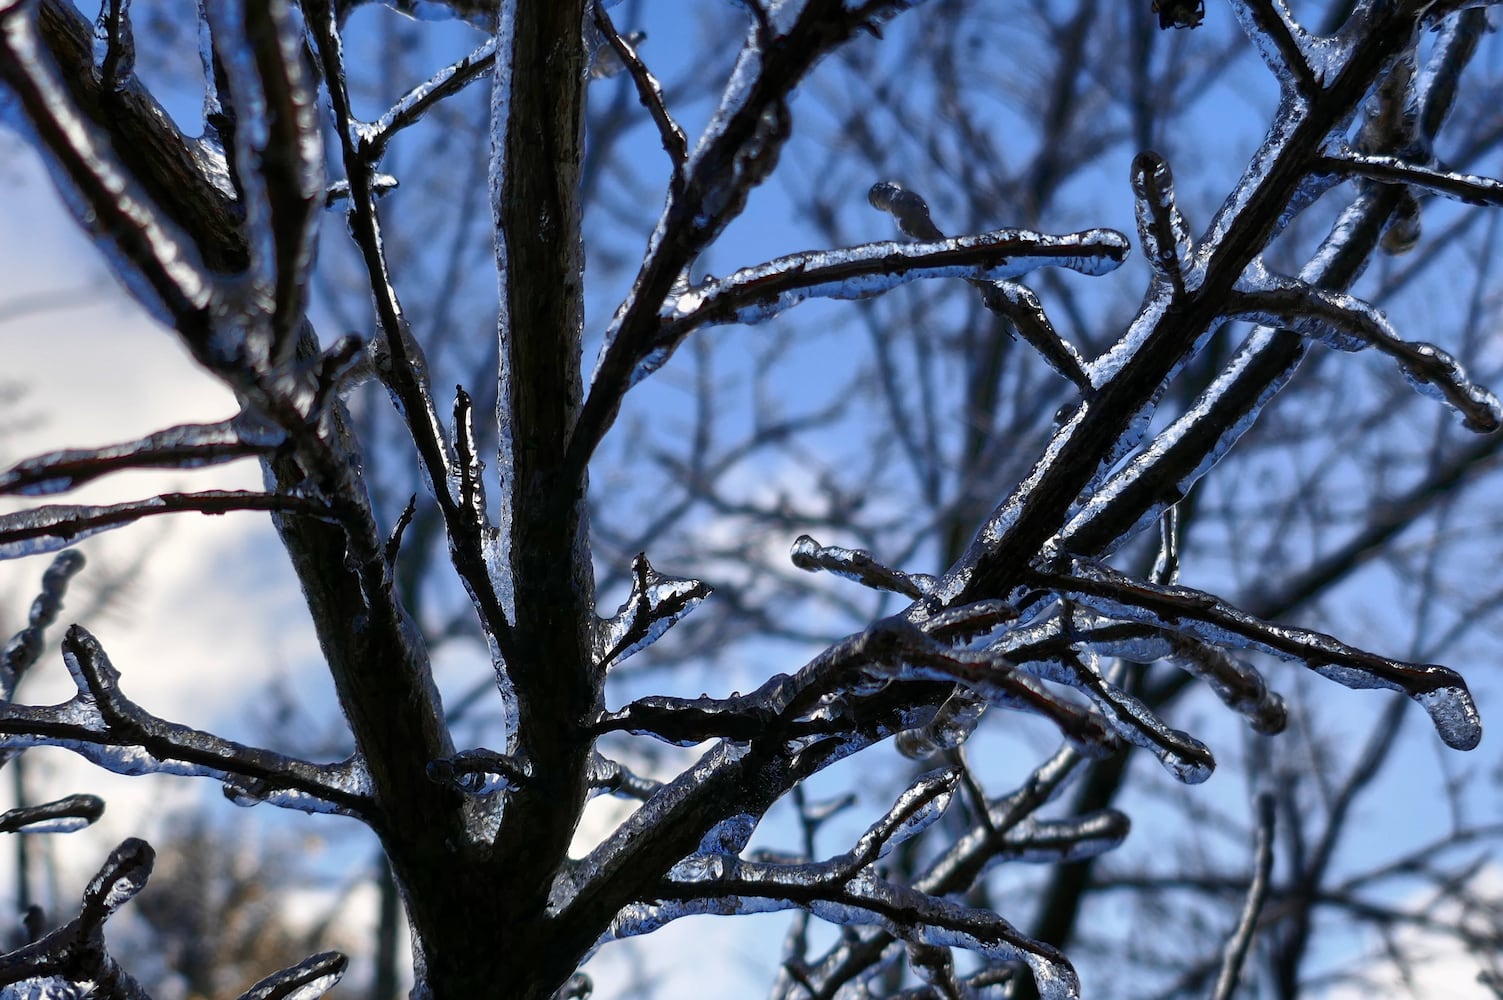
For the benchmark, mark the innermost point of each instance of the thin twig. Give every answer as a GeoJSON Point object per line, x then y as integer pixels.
{"type": "Point", "coordinates": [649, 91]}
{"type": "Point", "coordinates": [1257, 893]}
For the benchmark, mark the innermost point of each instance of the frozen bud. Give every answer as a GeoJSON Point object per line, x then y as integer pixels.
{"type": "Point", "coordinates": [1403, 230]}
{"type": "Point", "coordinates": [908, 208]}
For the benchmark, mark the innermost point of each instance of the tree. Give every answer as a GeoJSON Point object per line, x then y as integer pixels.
{"type": "Point", "coordinates": [1044, 583]}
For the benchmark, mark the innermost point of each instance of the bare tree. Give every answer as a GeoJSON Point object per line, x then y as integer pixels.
{"type": "Point", "coordinates": [1052, 575]}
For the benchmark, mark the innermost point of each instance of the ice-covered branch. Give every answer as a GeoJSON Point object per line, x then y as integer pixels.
{"type": "Point", "coordinates": [277, 160]}
{"type": "Point", "coordinates": [1347, 323]}
{"type": "Point", "coordinates": [655, 604]}
{"type": "Point", "coordinates": [73, 960]}
{"type": "Point", "coordinates": [480, 771]}
{"type": "Point", "coordinates": [25, 647]}
{"type": "Point", "coordinates": [1043, 651]}
{"type": "Point", "coordinates": [64, 815]}
{"type": "Point", "coordinates": [923, 802]}
{"type": "Point", "coordinates": [187, 446]}
{"type": "Point", "coordinates": [739, 718]}
{"type": "Point", "coordinates": [615, 778]}
{"type": "Point", "coordinates": [858, 565]}
{"type": "Point", "coordinates": [312, 977]}
{"type": "Point", "coordinates": [736, 152]}
{"type": "Point", "coordinates": [1283, 44]}
{"type": "Point", "coordinates": [961, 864]}
{"type": "Point", "coordinates": [373, 138]}
{"type": "Point", "coordinates": [119, 62]}
{"type": "Point", "coordinates": [888, 651]}
{"type": "Point", "coordinates": [399, 360]}
{"type": "Point", "coordinates": [161, 265]}
{"type": "Point", "coordinates": [907, 208]}
{"type": "Point", "coordinates": [1162, 229]}
{"type": "Point", "coordinates": [75, 952]}
{"type": "Point", "coordinates": [1048, 649]}
{"type": "Point", "coordinates": [995, 679]}
{"type": "Point", "coordinates": [1239, 684]}
{"type": "Point", "coordinates": [1194, 442]}
{"type": "Point", "coordinates": [470, 484]}
{"type": "Point", "coordinates": [101, 724]}
{"type": "Point", "coordinates": [1013, 301]}
{"type": "Point", "coordinates": [829, 891]}
{"type": "Point", "coordinates": [649, 91]}
{"type": "Point", "coordinates": [1202, 616]}
{"type": "Point", "coordinates": [1468, 188]}
{"type": "Point", "coordinates": [479, 13]}
{"type": "Point", "coordinates": [757, 294]}
{"type": "Point", "coordinates": [57, 526]}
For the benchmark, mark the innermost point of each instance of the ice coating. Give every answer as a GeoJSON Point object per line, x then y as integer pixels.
{"type": "Point", "coordinates": [372, 137]}
{"type": "Point", "coordinates": [24, 648]}
{"type": "Point", "coordinates": [655, 604]}
{"type": "Point", "coordinates": [64, 815]}
{"type": "Point", "coordinates": [1347, 323]}
{"type": "Point", "coordinates": [756, 294]}
{"type": "Point", "coordinates": [858, 565]}
{"type": "Point", "coordinates": [185, 446]}
{"type": "Point", "coordinates": [47, 529]}
{"type": "Point", "coordinates": [610, 776]}
{"type": "Point", "coordinates": [1161, 226]}
{"type": "Point", "coordinates": [121, 876]}
{"type": "Point", "coordinates": [1454, 715]}
{"type": "Point", "coordinates": [1036, 841]}
{"type": "Point", "coordinates": [916, 809]}
{"type": "Point", "coordinates": [1206, 618]}
{"type": "Point", "coordinates": [834, 893]}
{"type": "Point", "coordinates": [1045, 650]}
{"type": "Point", "coordinates": [950, 727]}
{"type": "Point", "coordinates": [163, 269]}
{"type": "Point", "coordinates": [309, 979]}
{"type": "Point", "coordinates": [1208, 408]}
{"type": "Point", "coordinates": [104, 726]}
{"type": "Point", "coordinates": [48, 988]}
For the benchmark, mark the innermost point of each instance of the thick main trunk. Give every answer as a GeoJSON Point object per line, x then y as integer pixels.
{"type": "Point", "coordinates": [538, 124]}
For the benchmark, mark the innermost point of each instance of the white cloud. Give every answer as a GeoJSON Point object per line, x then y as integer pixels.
{"type": "Point", "coordinates": [1441, 965]}
{"type": "Point", "coordinates": [214, 611]}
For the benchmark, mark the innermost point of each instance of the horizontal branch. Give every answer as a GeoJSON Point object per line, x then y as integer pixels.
{"type": "Point", "coordinates": [1439, 690]}
{"type": "Point", "coordinates": [757, 294]}
{"type": "Point", "coordinates": [102, 725]}
{"type": "Point", "coordinates": [829, 892]}
{"type": "Point", "coordinates": [74, 812]}
{"type": "Point", "coordinates": [858, 565]}
{"type": "Point", "coordinates": [1469, 188]}
{"type": "Point", "coordinates": [187, 446]}
{"type": "Point", "coordinates": [57, 526]}
{"type": "Point", "coordinates": [1347, 323]}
